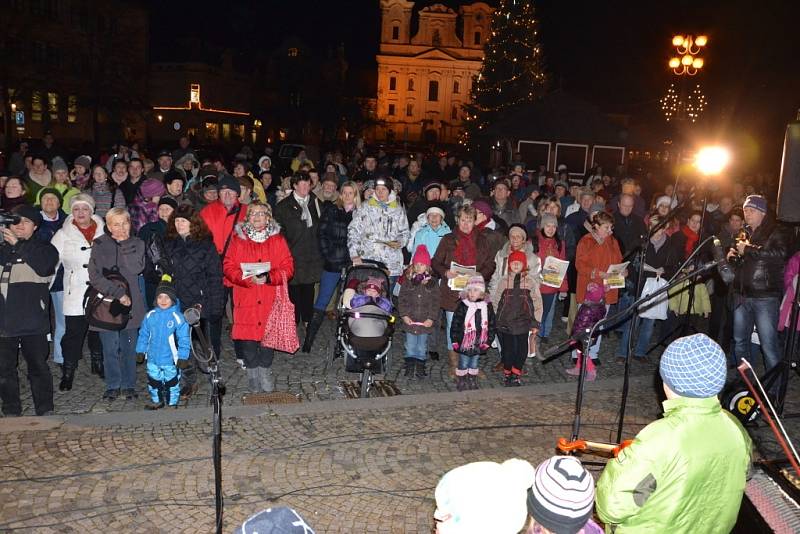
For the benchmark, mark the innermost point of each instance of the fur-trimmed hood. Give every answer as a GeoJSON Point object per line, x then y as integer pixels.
{"type": "Point", "coordinates": [273, 228]}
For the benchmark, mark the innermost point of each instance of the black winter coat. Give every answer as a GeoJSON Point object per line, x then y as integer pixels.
{"type": "Point", "coordinates": [333, 237]}
{"type": "Point", "coordinates": [759, 274]}
{"type": "Point", "coordinates": [303, 241]}
{"type": "Point", "coordinates": [457, 329]}
{"type": "Point", "coordinates": [197, 274]}
{"type": "Point", "coordinates": [25, 302]}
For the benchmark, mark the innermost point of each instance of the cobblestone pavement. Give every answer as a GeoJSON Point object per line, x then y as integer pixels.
{"type": "Point", "coordinates": [367, 465]}
{"type": "Point", "coordinates": [315, 376]}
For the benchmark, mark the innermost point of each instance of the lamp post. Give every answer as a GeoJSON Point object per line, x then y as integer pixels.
{"type": "Point", "coordinates": [680, 104]}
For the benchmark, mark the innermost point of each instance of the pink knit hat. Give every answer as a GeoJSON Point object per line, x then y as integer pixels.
{"type": "Point", "coordinates": [421, 255]}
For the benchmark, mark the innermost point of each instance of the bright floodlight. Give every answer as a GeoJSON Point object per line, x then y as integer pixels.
{"type": "Point", "coordinates": [712, 159]}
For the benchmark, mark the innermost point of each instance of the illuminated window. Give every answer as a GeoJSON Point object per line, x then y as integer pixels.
{"type": "Point", "coordinates": [72, 108]}
{"type": "Point", "coordinates": [36, 106]}
{"type": "Point", "coordinates": [395, 33]}
{"type": "Point", "coordinates": [392, 83]}
{"type": "Point", "coordinates": [293, 52]}
{"type": "Point", "coordinates": [391, 109]}
{"type": "Point", "coordinates": [212, 130]}
{"type": "Point", "coordinates": [226, 131]}
{"type": "Point", "coordinates": [238, 129]}
{"type": "Point", "coordinates": [194, 93]}
{"type": "Point", "coordinates": [433, 91]}
{"type": "Point", "coordinates": [52, 106]}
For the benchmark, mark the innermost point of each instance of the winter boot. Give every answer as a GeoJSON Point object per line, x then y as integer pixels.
{"type": "Point", "coordinates": [453, 360]}
{"type": "Point", "coordinates": [67, 375]}
{"type": "Point", "coordinates": [420, 371]}
{"type": "Point", "coordinates": [253, 379]}
{"type": "Point", "coordinates": [461, 383]}
{"type": "Point", "coordinates": [591, 372]}
{"type": "Point", "coordinates": [267, 379]}
{"type": "Point", "coordinates": [408, 370]}
{"type": "Point", "coordinates": [312, 329]}
{"type": "Point", "coordinates": [97, 363]}
{"type": "Point", "coordinates": [472, 381]}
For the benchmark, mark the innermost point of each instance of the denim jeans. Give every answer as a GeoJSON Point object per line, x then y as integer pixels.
{"type": "Point", "coordinates": [645, 328]}
{"type": "Point", "coordinates": [60, 326]}
{"type": "Point", "coordinates": [449, 316]}
{"type": "Point", "coordinates": [763, 313]}
{"type": "Point", "coordinates": [327, 287]}
{"type": "Point", "coordinates": [417, 346]}
{"type": "Point", "coordinates": [548, 311]}
{"type": "Point", "coordinates": [119, 358]}
{"type": "Point", "coordinates": [625, 300]}
{"type": "Point", "coordinates": [467, 362]}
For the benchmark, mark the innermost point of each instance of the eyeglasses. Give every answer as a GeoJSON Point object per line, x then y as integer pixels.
{"type": "Point", "coordinates": [259, 214]}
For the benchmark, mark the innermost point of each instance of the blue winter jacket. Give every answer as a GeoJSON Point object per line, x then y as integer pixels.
{"type": "Point", "coordinates": [158, 333]}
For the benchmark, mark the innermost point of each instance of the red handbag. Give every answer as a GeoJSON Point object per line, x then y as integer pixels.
{"type": "Point", "coordinates": [281, 332]}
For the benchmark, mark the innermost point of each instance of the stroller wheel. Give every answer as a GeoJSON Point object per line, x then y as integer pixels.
{"type": "Point", "coordinates": [366, 383]}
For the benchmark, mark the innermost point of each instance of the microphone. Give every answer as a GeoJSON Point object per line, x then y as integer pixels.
{"type": "Point", "coordinates": [192, 315]}
{"type": "Point", "coordinates": [723, 267]}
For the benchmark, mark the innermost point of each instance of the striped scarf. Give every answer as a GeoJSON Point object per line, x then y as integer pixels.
{"type": "Point", "coordinates": [470, 331]}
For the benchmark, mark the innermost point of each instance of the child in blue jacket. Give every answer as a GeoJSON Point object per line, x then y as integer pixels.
{"type": "Point", "coordinates": [162, 328]}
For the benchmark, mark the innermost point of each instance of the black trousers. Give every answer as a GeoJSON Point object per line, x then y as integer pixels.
{"type": "Point", "coordinates": [72, 342]}
{"type": "Point", "coordinates": [35, 350]}
{"type": "Point", "coordinates": [255, 355]}
{"type": "Point", "coordinates": [513, 351]}
{"type": "Point", "coordinates": [720, 322]}
{"type": "Point", "coordinates": [302, 296]}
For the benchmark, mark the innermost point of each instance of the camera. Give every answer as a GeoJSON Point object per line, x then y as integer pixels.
{"type": "Point", "coordinates": [7, 218]}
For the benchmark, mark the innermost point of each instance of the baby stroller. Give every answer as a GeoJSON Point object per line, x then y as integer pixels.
{"type": "Point", "coordinates": [364, 333]}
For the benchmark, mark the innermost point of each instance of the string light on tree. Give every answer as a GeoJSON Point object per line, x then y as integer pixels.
{"type": "Point", "coordinates": [513, 68]}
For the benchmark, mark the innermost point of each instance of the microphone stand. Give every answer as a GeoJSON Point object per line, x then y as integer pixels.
{"type": "Point", "coordinates": [217, 392]}
{"type": "Point", "coordinates": [582, 342]}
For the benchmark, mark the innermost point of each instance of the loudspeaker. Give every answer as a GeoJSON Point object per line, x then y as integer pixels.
{"type": "Point", "coordinates": [789, 188]}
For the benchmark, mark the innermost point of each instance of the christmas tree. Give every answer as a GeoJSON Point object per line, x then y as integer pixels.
{"type": "Point", "coordinates": [513, 68]}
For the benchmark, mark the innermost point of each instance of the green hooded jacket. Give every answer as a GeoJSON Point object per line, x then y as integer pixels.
{"type": "Point", "coordinates": [685, 473]}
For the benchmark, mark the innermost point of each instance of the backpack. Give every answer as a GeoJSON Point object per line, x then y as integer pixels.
{"type": "Point", "coordinates": [103, 311]}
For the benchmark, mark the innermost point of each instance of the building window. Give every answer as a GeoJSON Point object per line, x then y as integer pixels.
{"type": "Point", "coordinates": [238, 130]}
{"type": "Point", "coordinates": [411, 84]}
{"type": "Point", "coordinates": [456, 88]}
{"type": "Point", "coordinates": [409, 110]}
{"type": "Point", "coordinates": [226, 131]}
{"type": "Point", "coordinates": [454, 112]}
{"type": "Point", "coordinates": [293, 52]}
{"type": "Point", "coordinates": [433, 91]}
{"type": "Point", "coordinates": [72, 108]}
{"type": "Point", "coordinates": [391, 110]}
{"type": "Point", "coordinates": [194, 93]}
{"type": "Point", "coordinates": [212, 130]}
{"type": "Point", "coordinates": [477, 38]}
{"type": "Point", "coordinates": [392, 83]}
{"type": "Point", "coordinates": [395, 33]}
{"type": "Point", "coordinates": [36, 106]}
{"type": "Point", "coordinates": [52, 106]}
{"type": "Point", "coordinates": [437, 39]}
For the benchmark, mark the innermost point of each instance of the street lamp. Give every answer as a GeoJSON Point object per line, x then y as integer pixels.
{"type": "Point", "coordinates": [687, 47]}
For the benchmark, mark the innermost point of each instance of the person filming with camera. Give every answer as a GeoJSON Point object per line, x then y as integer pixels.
{"type": "Point", "coordinates": [758, 260]}
{"type": "Point", "coordinates": [27, 267]}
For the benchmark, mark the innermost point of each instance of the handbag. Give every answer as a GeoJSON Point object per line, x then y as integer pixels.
{"type": "Point", "coordinates": [657, 307]}
{"type": "Point", "coordinates": [280, 332]}
{"type": "Point", "coordinates": [104, 311]}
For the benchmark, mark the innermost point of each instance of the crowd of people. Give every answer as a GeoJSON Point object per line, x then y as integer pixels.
{"type": "Point", "coordinates": [469, 260]}
{"type": "Point", "coordinates": [468, 255]}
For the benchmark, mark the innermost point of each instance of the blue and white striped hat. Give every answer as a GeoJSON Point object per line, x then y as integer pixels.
{"type": "Point", "coordinates": [694, 366]}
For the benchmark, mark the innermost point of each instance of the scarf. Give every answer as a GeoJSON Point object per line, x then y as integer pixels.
{"type": "Point", "coordinates": [88, 232]}
{"type": "Point", "coordinates": [691, 240]}
{"type": "Point", "coordinates": [470, 331]}
{"type": "Point", "coordinates": [465, 252]}
{"type": "Point", "coordinates": [658, 243]}
{"type": "Point", "coordinates": [306, 216]}
{"type": "Point", "coordinates": [259, 236]}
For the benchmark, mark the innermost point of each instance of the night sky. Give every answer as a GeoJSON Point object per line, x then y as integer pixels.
{"type": "Point", "coordinates": [612, 53]}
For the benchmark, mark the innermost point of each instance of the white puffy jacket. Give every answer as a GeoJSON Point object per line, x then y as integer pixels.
{"type": "Point", "coordinates": [73, 254]}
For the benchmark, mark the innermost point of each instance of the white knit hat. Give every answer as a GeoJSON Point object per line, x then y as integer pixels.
{"type": "Point", "coordinates": [484, 497]}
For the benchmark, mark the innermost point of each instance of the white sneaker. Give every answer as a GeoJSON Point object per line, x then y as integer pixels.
{"type": "Point", "coordinates": [241, 364]}
{"type": "Point", "coordinates": [565, 319]}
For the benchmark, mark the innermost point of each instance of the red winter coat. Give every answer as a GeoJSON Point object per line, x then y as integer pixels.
{"type": "Point", "coordinates": [221, 223]}
{"type": "Point", "coordinates": [252, 303]}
